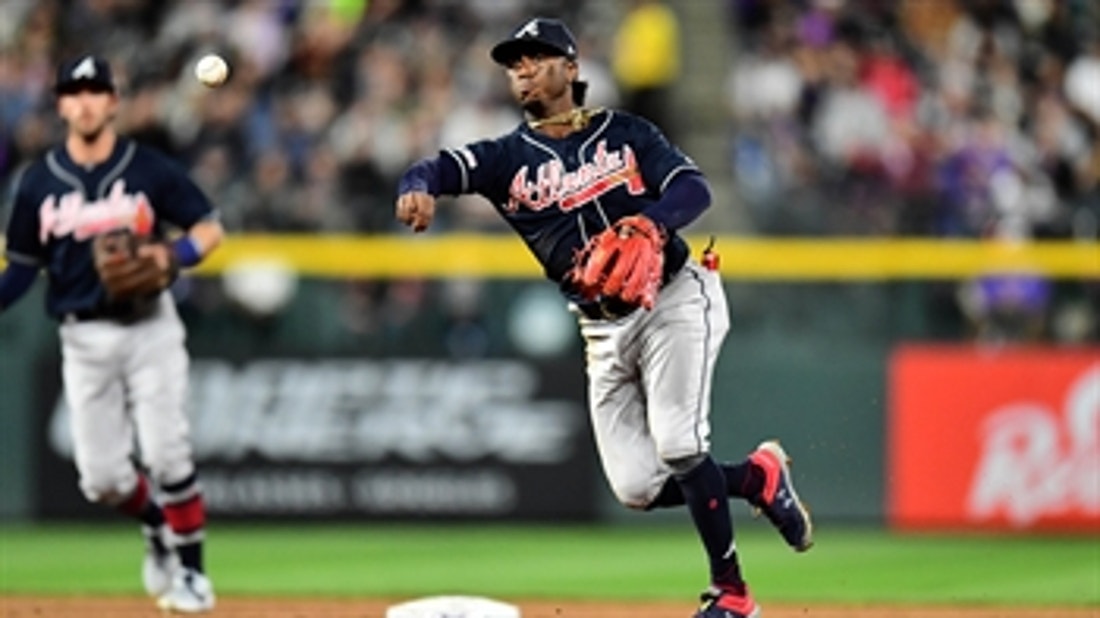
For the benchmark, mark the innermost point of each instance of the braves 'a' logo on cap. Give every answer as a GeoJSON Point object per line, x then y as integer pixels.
{"type": "Point", "coordinates": [530, 29]}
{"type": "Point", "coordinates": [85, 69]}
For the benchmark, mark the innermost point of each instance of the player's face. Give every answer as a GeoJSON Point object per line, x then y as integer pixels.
{"type": "Point", "coordinates": [540, 83]}
{"type": "Point", "coordinates": [87, 112]}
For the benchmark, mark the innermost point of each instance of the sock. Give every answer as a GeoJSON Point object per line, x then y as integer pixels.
{"type": "Point", "coordinates": [743, 480]}
{"type": "Point", "coordinates": [191, 555]}
{"type": "Point", "coordinates": [186, 516]}
{"type": "Point", "coordinates": [154, 536]}
{"type": "Point", "coordinates": [704, 491]}
{"type": "Point", "coordinates": [141, 506]}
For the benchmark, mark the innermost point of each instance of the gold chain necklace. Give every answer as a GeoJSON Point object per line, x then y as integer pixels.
{"type": "Point", "coordinates": [578, 118]}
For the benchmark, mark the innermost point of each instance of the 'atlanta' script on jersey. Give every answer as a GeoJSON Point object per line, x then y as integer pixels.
{"type": "Point", "coordinates": [72, 214]}
{"type": "Point", "coordinates": [569, 189]}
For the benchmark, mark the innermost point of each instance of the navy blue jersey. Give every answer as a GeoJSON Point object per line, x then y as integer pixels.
{"type": "Point", "coordinates": [59, 206]}
{"type": "Point", "coordinates": [558, 193]}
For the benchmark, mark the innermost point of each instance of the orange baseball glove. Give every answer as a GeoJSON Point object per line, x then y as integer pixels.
{"type": "Point", "coordinates": [625, 261]}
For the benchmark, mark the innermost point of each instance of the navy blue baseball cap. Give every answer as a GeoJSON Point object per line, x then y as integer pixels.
{"type": "Point", "coordinates": [84, 73]}
{"type": "Point", "coordinates": [539, 35]}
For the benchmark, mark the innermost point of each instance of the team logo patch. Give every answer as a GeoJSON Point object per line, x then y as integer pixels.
{"type": "Point", "coordinates": [553, 184]}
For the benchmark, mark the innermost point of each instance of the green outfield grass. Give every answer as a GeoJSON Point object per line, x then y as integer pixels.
{"type": "Point", "coordinates": [620, 562]}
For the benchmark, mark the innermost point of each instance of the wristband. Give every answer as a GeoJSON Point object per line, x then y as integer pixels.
{"type": "Point", "coordinates": [422, 176]}
{"type": "Point", "coordinates": [187, 253]}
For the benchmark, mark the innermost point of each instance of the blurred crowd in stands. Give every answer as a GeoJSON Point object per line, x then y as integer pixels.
{"type": "Point", "coordinates": [928, 117]}
{"type": "Point", "coordinates": [971, 118]}
{"type": "Point", "coordinates": [948, 118]}
{"type": "Point", "coordinates": [327, 102]}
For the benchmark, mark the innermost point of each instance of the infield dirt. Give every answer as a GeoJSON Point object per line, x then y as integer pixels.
{"type": "Point", "coordinates": [275, 607]}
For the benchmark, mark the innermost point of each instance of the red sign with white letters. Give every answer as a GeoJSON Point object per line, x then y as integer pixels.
{"type": "Point", "coordinates": [1003, 438]}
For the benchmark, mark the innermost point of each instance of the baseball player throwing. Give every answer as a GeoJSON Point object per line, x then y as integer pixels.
{"type": "Point", "coordinates": [94, 212]}
{"type": "Point", "coordinates": [598, 197]}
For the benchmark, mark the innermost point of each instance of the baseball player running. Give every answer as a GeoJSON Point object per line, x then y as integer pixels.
{"type": "Point", "coordinates": [94, 212]}
{"type": "Point", "coordinates": [598, 197]}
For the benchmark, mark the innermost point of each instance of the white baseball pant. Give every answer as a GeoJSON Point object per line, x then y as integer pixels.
{"type": "Point", "coordinates": [121, 381]}
{"type": "Point", "coordinates": [649, 382]}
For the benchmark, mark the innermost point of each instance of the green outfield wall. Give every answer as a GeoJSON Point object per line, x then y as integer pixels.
{"type": "Point", "coordinates": [813, 326]}
{"type": "Point", "coordinates": [804, 362]}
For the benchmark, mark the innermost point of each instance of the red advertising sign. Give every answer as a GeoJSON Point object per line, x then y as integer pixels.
{"type": "Point", "coordinates": [994, 438]}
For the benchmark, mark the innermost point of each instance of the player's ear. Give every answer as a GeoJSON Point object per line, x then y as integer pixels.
{"type": "Point", "coordinates": [572, 69]}
{"type": "Point", "coordinates": [112, 109]}
{"type": "Point", "coordinates": [61, 106]}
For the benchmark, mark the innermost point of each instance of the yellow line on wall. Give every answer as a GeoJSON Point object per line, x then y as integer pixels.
{"type": "Point", "coordinates": [504, 256]}
{"type": "Point", "coordinates": [902, 259]}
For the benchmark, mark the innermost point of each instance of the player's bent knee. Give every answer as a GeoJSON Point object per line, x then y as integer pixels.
{"type": "Point", "coordinates": [107, 488]}
{"type": "Point", "coordinates": [634, 502]}
{"type": "Point", "coordinates": [633, 495]}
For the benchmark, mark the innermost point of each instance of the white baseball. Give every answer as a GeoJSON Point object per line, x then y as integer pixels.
{"type": "Point", "coordinates": [212, 70]}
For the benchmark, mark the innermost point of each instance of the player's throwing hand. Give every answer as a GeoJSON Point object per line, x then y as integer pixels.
{"type": "Point", "coordinates": [416, 210]}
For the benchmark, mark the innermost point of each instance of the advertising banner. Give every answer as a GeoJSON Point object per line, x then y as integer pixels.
{"type": "Point", "coordinates": [1003, 438]}
{"type": "Point", "coordinates": [372, 439]}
